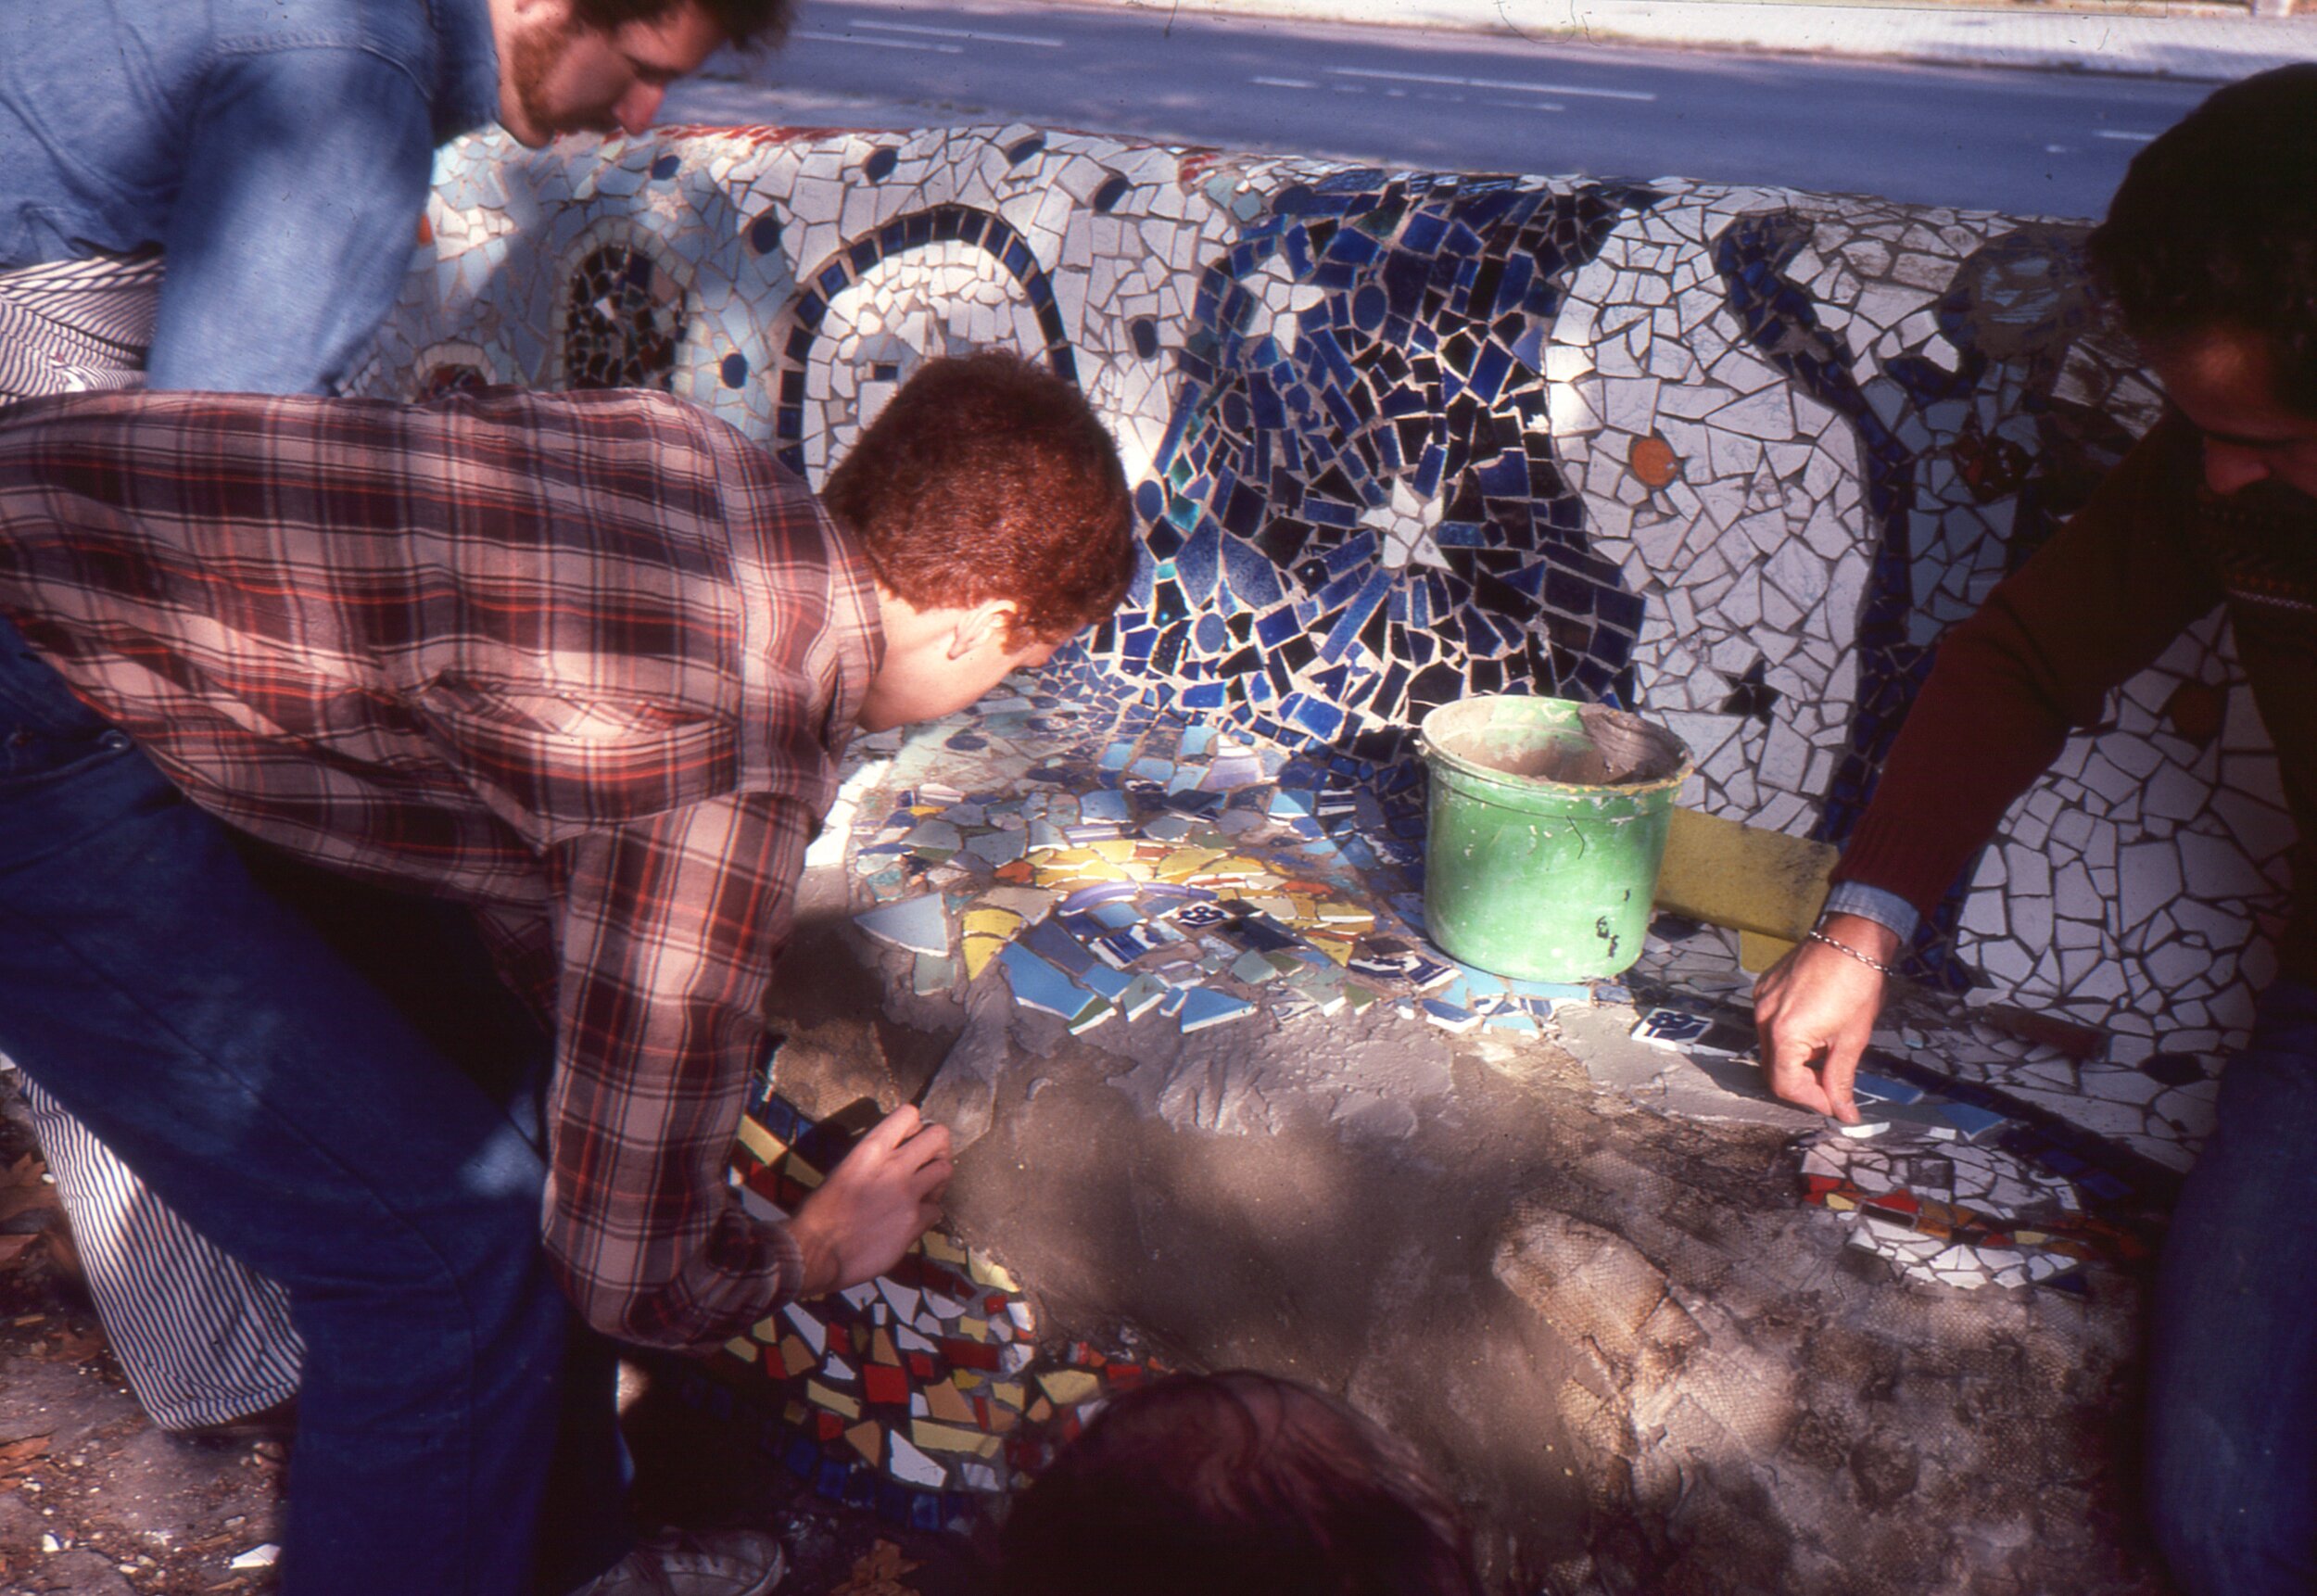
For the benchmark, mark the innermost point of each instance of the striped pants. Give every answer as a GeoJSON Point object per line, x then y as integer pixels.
{"type": "Point", "coordinates": [202, 1339]}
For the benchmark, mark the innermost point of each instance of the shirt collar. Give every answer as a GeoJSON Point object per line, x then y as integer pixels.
{"type": "Point", "coordinates": [466, 80]}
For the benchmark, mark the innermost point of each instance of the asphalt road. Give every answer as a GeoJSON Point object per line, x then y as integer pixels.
{"type": "Point", "coordinates": [2053, 144]}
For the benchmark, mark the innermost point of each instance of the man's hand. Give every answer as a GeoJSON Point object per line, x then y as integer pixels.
{"type": "Point", "coordinates": [859, 1221]}
{"type": "Point", "coordinates": [1813, 1010]}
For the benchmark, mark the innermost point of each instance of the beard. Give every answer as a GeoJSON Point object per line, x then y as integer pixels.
{"type": "Point", "coordinates": [2267, 500]}
{"type": "Point", "coordinates": [532, 57]}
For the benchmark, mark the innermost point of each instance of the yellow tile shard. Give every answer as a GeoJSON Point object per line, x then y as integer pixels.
{"type": "Point", "coordinates": [986, 1272]}
{"type": "Point", "coordinates": [1000, 923]}
{"type": "Point", "coordinates": [1067, 1387]}
{"type": "Point", "coordinates": [761, 1141]}
{"type": "Point", "coordinates": [835, 1401]}
{"type": "Point", "coordinates": [979, 951]}
{"type": "Point", "coordinates": [929, 1437]}
{"type": "Point", "coordinates": [948, 1404]}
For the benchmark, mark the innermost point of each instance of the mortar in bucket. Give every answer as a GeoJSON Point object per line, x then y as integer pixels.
{"type": "Point", "coordinates": [1548, 823]}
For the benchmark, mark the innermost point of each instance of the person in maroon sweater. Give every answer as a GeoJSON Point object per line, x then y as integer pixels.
{"type": "Point", "coordinates": [2209, 251]}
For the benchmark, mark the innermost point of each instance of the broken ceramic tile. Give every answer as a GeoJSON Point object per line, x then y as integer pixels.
{"type": "Point", "coordinates": [1203, 1006]}
{"type": "Point", "coordinates": [918, 924]}
{"type": "Point", "coordinates": [1039, 985]}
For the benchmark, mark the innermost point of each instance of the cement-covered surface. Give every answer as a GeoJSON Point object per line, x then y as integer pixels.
{"type": "Point", "coordinates": [1572, 1270]}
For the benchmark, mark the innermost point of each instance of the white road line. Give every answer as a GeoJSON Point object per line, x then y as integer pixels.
{"type": "Point", "coordinates": [1570, 89]}
{"type": "Point", "coordinates": [2126, 137]}
{"type": "Point", "coordinates": [1525, 105]}
{"type": "Point", "coordinates": [878, 43]}
{"type": "Point", "coordinates": [1285, 82]}
{"type": "Point", "coordinates": [964, 33]}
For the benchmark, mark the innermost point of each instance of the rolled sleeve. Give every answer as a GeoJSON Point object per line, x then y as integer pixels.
{"type": "Point", "coordinates": [668, 930]}
{"type": "Point", "coordinates": [306, 176]}
{"type": "Point", "coordinates": [1887, 909]}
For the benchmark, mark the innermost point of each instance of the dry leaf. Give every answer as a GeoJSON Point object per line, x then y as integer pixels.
{"type": "Point", "coordinates": [23, 1199]}
{"type": "Point", "coordinates": [877, 1574]}
{"type": "Point", "coordinates": [74, 1349]}
{"type": "Point", "coordinates": [16, 1455]}
{"type": "Point", "coordinates": [12, 1247]}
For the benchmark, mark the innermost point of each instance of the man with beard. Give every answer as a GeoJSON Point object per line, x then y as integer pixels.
{"type": "Point", "coordinates": [2210, 252]}
{"type": "Point", "coordinates": [222, 196]}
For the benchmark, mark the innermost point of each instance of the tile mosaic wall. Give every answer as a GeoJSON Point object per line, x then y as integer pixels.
{"type": "Point", "coordinates": [918, 1391]}
{"type": "Point", "coordinates": [1732, 456]}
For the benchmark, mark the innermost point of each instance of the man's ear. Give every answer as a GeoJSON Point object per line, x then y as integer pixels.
{"type": "Point", "coordinates": [987, 624]}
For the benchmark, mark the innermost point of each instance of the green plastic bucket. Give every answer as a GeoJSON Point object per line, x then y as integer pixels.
{"type": "Point", "coordinates": [1548, 824]}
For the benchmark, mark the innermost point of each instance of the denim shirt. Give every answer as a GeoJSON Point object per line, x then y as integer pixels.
{"type": "Point", "coordinates": [278, 151]}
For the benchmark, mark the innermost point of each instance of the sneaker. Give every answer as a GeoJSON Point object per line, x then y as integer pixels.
{"type": "Point", "coordinates": [721, 1562]}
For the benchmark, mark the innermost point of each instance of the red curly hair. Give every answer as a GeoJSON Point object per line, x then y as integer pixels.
{"type": "Point", "coordinates": [1237, 1484]}
{"type": "Point", "coordinates": [987, 477]}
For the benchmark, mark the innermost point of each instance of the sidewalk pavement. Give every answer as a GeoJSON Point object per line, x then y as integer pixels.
{"type": "Point", "coordinates": [2197, 45]}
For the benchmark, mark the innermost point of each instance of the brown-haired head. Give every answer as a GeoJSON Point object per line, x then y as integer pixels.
{"type": "Point", "coordinates": [761, 22]}
{"type": "Point", "coordinates": [2214, 229]}
{"type": "Point", "coordinates": [986, 477]}
{"type": "Point", "coordinates": [1230, 1484]}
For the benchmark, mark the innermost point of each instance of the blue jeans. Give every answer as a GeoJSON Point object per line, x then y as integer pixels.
{"type": "Point", "coordinates": [426, 957]}
{"type": "Point", "coordinates": [2232, 1355]}
{"type": "Point", "coordinates": [286, 1110]}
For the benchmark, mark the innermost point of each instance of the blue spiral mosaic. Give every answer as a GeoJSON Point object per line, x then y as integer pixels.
{"type": "Point", "coordinates": [1265, 595]}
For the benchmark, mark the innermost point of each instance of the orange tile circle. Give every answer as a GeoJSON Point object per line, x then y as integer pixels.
{"type": "Point", "coordinates": [1653, 460]}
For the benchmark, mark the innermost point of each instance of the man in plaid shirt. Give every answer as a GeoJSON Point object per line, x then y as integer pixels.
{"type": "Point", "coordinates": [585, 663]}
{"type": "Point", "coordinates": [274, 156]}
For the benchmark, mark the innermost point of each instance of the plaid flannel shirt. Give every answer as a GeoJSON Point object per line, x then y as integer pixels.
{"type": "Point", "coordinates": [586, 661]}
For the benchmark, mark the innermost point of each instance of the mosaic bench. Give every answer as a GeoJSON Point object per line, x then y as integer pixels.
{"type": "Point", "coordinates": [1731, 457]}
{"type": "Point", "coordinates": [1227, 1105]}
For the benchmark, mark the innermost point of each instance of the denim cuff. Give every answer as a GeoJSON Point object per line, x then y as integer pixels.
{"type": "Point", "coordinates": [1885, 907]}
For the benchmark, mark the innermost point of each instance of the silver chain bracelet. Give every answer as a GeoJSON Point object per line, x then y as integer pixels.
{"type": "Point", "coordinates": [1874, 964]}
